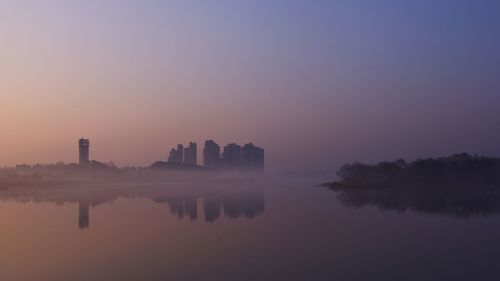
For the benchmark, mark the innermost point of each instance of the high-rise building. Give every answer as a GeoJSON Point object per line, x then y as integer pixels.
{"type": "Point", "coordinates": [186, 154]}
{"type": "Point", "coordinates": [231, 158]}
{"type": "Point", "coordinates": [183, 154]}
{"type": "Point", "coordinates": [252, 156]}
{"type": "Point", "coordinates": [172, 156]}
{"type": "Point", "coordinates": [194, 153]}
{"type": "Point", "coordinates": [190, 154]}
{"type": "Point", "coordinates": [259, 158]}
{"type": "Point", "coordinates": [83, 148]}
{"type": "Point", "coordinates": [211, 154]}
{"type": "Point", "coordinates": [234, 156]}
{"type": "Point", "coordinates": [180, 153]}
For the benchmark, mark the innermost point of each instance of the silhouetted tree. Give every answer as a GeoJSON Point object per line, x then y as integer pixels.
{"type": "Point", "coordinates": [457, 170]}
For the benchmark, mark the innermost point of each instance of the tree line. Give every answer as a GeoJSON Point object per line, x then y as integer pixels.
{"type": "Point", "coordinates": [458, 170]}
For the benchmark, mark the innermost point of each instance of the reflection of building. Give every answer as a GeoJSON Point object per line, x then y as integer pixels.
{"type": "Point", "coordinates": [83, 147]}
{"type": "Point", "coordinates": [191, 208]}
{"type": "Point", "coordinates": [233, 202]}
{"type": "Point", "coordinates": [234, 205]}
{"type": "Point", "coordinates": [181, 206]}
{"type": "Point", "coordinates": [231, 158]}
{"type": "Point", "coordinates": [211, 154]}
{"type": "Point", "coordinates": [211, 208]}
{"type": "Point", "coordinates": [252, 156]}
{"type": "Point", "coordinates": [176, 207]}
{"type": "Point", "coordinates": [83, 215]}
{"type": "Point", "coordinates": [248, 203]}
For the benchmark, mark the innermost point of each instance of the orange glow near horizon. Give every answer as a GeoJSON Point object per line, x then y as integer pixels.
{"type": "Point", "coordinates": [138, 78]}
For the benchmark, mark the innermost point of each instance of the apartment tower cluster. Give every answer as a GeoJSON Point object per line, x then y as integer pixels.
{"type": "Point", "coordinates": [187, 155]}
{"type": "Point", "coordinates": [233, 156]}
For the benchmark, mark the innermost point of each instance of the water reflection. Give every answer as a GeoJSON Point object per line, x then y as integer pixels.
{"type": "Point", "coordinates": [459, 203]}
{"type": "Point", "coordinates": [181, 201]}
{"type": "Point", "coordinates": [234, 205]}
{"type": "Point", "coordinates": [180, 206]}
{"type": "Point", "coordinates": [83, 215]}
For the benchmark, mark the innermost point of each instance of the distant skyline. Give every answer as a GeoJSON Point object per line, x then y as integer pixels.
{"type": "Point", "coordinates": [316, 83]}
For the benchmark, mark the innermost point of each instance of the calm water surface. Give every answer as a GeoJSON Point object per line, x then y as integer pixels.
{"type": "Point", "coordinates": [262, 229]}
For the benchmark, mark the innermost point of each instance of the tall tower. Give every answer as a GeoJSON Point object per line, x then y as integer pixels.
{"type": "Point", "coordinates": [232, 156]}
{"type": "Point", "coordinates": [180, 153]}
{"type": "Point", "coordinates": [83, 147]}
{"type": "Point", "coordinates": [252, 156]}
{"type": "Point", "coordinates": [211, 154]}
{"type": "Point", "coordinates": [190, 155]}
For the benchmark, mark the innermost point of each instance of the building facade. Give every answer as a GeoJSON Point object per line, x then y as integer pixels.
{"type": "Point", "coordinates": [234, 156]}
{"type": "Point", "coordinates": [84, 151]}
{"type": "Point", "coordinates": [190, 154]}
{"type": "Point", "coordinates": [252, 157]}
{"type": "Point", "coordinates": [211, 154]}
{"type": "Point", "coordinates": [180, 153]}
{"type": "Point", "coordinates": [231, 157]}
{"type": "Point", "coordinates": [187, 155]}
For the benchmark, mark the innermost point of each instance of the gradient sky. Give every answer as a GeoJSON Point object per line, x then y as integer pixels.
{"type": "Point", "coordinates": [316, 83]}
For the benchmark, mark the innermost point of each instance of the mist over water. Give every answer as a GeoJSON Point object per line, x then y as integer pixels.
{"type": "Point", "coordinates": [230, 227]}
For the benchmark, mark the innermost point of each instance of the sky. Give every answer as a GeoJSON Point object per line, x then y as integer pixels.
{"type": "Point", "coordinates": [315, 83]}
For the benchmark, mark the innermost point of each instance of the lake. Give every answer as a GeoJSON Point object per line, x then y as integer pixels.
{"type": "Point", "coordinates": [266, 228]}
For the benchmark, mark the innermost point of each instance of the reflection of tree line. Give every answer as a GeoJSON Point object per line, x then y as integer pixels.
{"type": "Point", "coordinates": [461, 203]}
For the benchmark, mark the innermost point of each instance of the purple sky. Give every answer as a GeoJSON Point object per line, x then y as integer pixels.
{"type": "Point", "coordinates": [316, 83]}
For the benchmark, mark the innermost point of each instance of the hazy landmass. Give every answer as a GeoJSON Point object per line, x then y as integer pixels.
{"type": "Point", "coordinates": [453, 172]}
{"type": "Point", "coordinates": [460, 185]}
{"type": "Point", "coordinates": [98, 172]}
